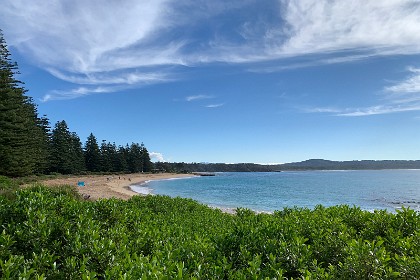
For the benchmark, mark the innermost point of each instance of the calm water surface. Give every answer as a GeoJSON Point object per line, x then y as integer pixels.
{"type": "Point", "coordinates": [369, 190]}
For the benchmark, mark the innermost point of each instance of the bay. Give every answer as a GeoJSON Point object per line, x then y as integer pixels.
{"type": "Point", "coordinates": [369, 190]}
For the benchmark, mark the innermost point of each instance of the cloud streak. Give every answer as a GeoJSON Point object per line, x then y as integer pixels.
{"type": "Point", "coordinates": [198, 97]}
{"type": "Point", "coordinates": [214, 105]}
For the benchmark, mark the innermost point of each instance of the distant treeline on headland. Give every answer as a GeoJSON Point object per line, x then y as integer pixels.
{"type": "Point", "coordinates": [312, 164]}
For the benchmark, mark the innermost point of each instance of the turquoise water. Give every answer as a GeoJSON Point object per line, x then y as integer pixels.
{"type": "Point", "coordinates": [369, 190]}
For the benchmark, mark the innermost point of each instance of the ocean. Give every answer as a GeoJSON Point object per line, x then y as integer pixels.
{"type": "Point", "coordinates": [267, 192]}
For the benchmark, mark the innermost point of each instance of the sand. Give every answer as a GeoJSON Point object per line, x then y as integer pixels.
{"type": "Point", "coordinates": [108, 186]}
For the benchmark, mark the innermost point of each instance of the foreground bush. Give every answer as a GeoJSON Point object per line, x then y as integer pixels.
{"type": "Point", "coordinates": [52, 234]}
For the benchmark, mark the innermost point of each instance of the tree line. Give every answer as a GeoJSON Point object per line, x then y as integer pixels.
{"type": "Point", "coordinates": [29, 146]}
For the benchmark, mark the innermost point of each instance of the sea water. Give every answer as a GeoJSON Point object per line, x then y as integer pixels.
{"type": "Point", "coordinates": [260, 191]}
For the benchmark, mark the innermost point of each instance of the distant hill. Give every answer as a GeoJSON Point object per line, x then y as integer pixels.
{"type": "Point", "coordinates": [311, 164]}
{"type": "Point", "coordinates": [321, 164]}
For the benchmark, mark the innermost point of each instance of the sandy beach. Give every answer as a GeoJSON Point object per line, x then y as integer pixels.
{"type": "Point", "coordinates": [108, 186]}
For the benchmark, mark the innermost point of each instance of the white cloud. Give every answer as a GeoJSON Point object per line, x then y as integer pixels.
{"type": "Point", "coordinates": [154, 156]}
{"type": "Point", "coordinates": [139, 42]}
{"type": "Point", "coordinates": [125, 78]}
{"type": "Point", "coordinates": [341, 30]}
{"type": "Point", "coordinates": [92, 43]}
{"type": "Point", "coordinates": [214, 105]}
{"type": "Point", "coordinates": [82, 35]}
{"type": "Point", "coordinates": [410, 85]}
{"type": "Point", "coordinates": [367, 111]}
{"type": "Point", "coordinates": [198, 97]}
{"type": "Point", "coordinates": [75, 93]}
{"type": "Point", "coordinates": [387, 26]}
{"type": "Point", "coordinates": [379, 110]}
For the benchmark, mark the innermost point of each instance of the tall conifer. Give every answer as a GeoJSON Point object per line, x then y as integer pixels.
{"type": "Point", "coordinates": [21, 135]}
{"type": "Point", "coordinates": [147, 164]}
{"type": "Point", "coordinates": [92, 154]}
{"type": "Point", "coordinates": [66, 149]}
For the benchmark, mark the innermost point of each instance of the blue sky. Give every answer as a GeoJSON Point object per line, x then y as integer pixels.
{"type": "Point", "coordinates": [227, 81]}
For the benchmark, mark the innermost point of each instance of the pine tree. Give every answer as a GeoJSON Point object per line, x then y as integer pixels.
{"type": "Point", "coordinates": [22, 138]}
{"type": "Point", "coordinates": [66, 149]}
{"type": "Point", "coordinates": [134, 158]}
{"type": "Point", "coordinates": [76, 154]}
{"type": "Point", "coordinates": [92, 154]}
{"type": "Point", "coordinates": [106, 159]}
{"type": "Point", "coordinates": [122, 165]}
{"type": "Point", "coordinates": [113, 153]}
{"type": "Point", "coordinates": [43, 151]}
{"type": "Point", "coordinates": [147, 165]}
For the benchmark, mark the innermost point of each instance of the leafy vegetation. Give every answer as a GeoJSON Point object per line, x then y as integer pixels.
{"type": "Point", "coordinates": [53, 234]}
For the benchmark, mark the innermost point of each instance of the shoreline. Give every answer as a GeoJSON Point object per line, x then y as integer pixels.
{"type": "Point", "coordinates": [119, 186]}
{"type": "Point", "coordinates": [111, 186]}
{"type": "Point", "coordinates": [143, 189]}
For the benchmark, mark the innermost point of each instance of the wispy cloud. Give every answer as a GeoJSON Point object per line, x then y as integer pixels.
{"type": "Point", "coordinates": [403, 96]}
{"type": "Point", "coordinates": [310, 61]}
{"type": "Point", "coordinates": [386, 26]}
{"type": "Point", "coordinates": [138, 42]}
{"type": "Point", "coordinates": [204, 97]}
{"type": "Point", "coordinates": [198, 97]}
{"type": "Point", "coordinates": [323, 110]}
{"type": "Point", "coordinates": [75, 93]}
{"type": "Point", "coordinates": [379, 110]}
{"type": "Point", "coordinates": [334, 28]}
{"type": "Point", "coordinates": [214, 105]}
{"type": "Point", "coordinates": [365, 111]}
{"type": "Point", "coordinates": [408, 86]}
{"type": "Point", "coordinates": [112, 77]}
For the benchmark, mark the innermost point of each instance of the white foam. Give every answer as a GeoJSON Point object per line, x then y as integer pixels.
{"type": "Point", "coordinates": [171, 179]}
{"type": "Point", "coordinates": [141, 189]}
{"type": "Point", "coordinates": [145, 190]}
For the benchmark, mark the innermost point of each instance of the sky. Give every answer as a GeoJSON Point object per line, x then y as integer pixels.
{"type": "Point", "coordinates": [263, 81]}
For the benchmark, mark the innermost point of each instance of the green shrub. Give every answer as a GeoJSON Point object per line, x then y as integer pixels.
{"type": "Point", "coordinates": [50, 233]}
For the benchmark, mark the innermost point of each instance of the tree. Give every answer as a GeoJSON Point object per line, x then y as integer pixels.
{"type": "Point", "coordinates": [122, 155]}
{"type": "Point", "coordinates": [114, 156]}
{"type": "Point", "coordinates": [134, 158]}
{"type": "Point", "coordinates": [92, 154]}
{"type": "Point", "coordinates": [66, 149]}
{"type": "Point", "coordinates": [43, 149]}
{"type": "Point", "coordinates": [110, 158]}
{"type": "Point", "coordinates": [76, 154]}
{"type": "Point", "coordinates": [147, 164]}
{"type": "Point", "coordinates": [22, 137]}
